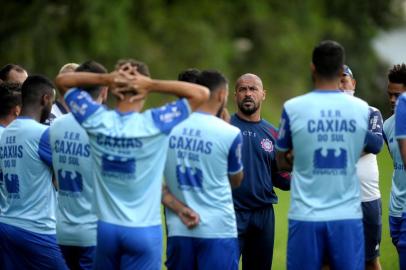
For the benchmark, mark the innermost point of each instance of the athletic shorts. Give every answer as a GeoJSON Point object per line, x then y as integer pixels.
{"type": "Point", "coordinates": [372, 220]}
{"type": "Point", "coordinates": [397, 227]}
{"type": "Point", "coordinates": [79, 257]}
{"type": "Point", "coordinates": [22, 249]}
{"type": "Point", "coordinates": [121, 247]}
{"type": "Point", "coordinates": [341, 242]}
{"type": "Point", "coordinates": [185, 253]}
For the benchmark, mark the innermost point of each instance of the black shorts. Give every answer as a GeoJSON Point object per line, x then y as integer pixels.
{"type": "Point", "coordinates": [372, 220]}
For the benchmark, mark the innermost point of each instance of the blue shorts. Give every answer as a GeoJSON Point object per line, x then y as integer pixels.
{"type": "Point", "coordinates": [341, 242]}
{"type": "Point", "coordinates": [121, 247]}
{"type": "Point", "coordinates": [398, 235]}
{"type": "Point", "coordinates": [79, 257]}
{"type": "Point", "coordinates": [22, 249]}
{"type": "Point", "coordinates": [185, 253]}
{"type": "Point", "coordinates": [372, 220]}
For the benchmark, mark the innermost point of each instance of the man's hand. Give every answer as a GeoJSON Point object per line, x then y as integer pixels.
{"type": "Point", "coordinates": [189, 217]}
{"type": "Point", "coordinates": [125, 81]}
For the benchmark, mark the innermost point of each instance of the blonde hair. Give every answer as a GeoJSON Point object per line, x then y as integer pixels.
{"type": "Point", "coordinates": [69, 67]}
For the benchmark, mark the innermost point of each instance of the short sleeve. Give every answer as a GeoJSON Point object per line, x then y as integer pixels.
{"type": "Point", "coordinates": [400, 118]}
{"type": "Point", "coordinates": [235, 156]}
{"type": "Point", "coordinates": [284, 142]}
{"type": "Point", "coordinates": [167, 117]}
{"type": "Point", "coordinates": [44, 148]}
{"type": "Point", "coordinates": [81, 104]}
{"type": "Point", "coordinates": [375, 124]}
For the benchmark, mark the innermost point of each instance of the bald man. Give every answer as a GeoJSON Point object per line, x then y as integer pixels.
{"type": "Point", "coordinates": [254, 199]}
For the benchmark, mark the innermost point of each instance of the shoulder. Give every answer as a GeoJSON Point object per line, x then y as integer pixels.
{"type": "Point", "coordinates": [271, 128]}
{"type": "Point", "coordinates": [373, 109]}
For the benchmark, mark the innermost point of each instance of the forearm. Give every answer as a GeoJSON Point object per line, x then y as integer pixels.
{"type": "Point", "coordinates": [373, 143]}
{"type": "Point", "coordinates": [196, 94]}
{"type": "Point", "coordinates": [170, 201]}
{"type": "Point", "coordinates": [283, 162]}
{"type": "Point", "coordinates": [76, 79]}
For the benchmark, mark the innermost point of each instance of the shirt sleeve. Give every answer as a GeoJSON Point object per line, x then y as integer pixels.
{"type": "Point", "coordinates": [81, 104]}
{"type": "Point", "coordinates": [284, 142]}
{"type": "Point", "coordinates": [400, 118]}
{"type": "Point", "coordinates": [375, 124]}
{"type": "Point", "coordinates": [235, 156]}
{"type": "Point", "coordinates": [167, 117]}
{"type": "Point", "coordinates": [44, 149]}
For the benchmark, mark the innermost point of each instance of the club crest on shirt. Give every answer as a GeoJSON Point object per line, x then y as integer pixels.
{"type": "Point", "coordinates": [267, 145]}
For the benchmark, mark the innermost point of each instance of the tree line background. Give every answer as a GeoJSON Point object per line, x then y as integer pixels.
{"type": "Point", "coordinates": [271, 38]}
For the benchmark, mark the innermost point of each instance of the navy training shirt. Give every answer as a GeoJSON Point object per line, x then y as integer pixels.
{"type": "Point", "coordinates": [259, 161]}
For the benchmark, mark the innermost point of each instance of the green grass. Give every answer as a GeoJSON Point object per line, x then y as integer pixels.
{"type": "Point", "coordinates": [388, 253]}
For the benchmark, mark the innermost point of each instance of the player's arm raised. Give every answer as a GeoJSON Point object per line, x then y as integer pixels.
{"type": "Point", "coordinates": [66, 81]}
{"type": "Point", "coordinates": [194, 93]}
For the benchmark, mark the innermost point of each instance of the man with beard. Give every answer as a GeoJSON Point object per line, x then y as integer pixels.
{"type": "Point", "coordinates": [202, 164]}
{"type": "Point", "coordinates": [27, 222]}
{"type": "Point", "coordinates": [253, 200]}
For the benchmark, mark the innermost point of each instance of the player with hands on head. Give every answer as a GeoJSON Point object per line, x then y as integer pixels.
{"type": "Point", "coordinates": [129, 151]}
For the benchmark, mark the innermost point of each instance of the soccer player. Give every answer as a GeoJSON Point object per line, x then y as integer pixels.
{"type": "Point", "coordinates": [71, 157]}
{"type": "Point", "coordinates": [254, 199]}
{"type": "Point", "coordinates": [397, 205]}
{"type": "Point", "coordinates": [10, 100]}
{"type": "Point", "coordinates": [129, 150]}
{"type": "Point", "coordinates": [201, 165]}
{"type": "Point", "coordinates": [327, 131]}
{"type": "Point", "coordinates": [27, 223]}
{"type": "Point", "coordinates": [368, 174]}
{"type": "Point", "coordinates": [13, 74]}
{"type": "Point", "coordinates": [59, 107]}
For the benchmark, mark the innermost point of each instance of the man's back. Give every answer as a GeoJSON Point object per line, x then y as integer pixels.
{"type": "Point", "coordinates": [76, 223]}
{"type": "Point", "coordinates": [31, 199]}
{"type": "Point", "coordinates": [198, 163]}
{"type": "Point", "coordinates": [129, 151]}
{"type": "Point", "coordinates": [327, 131]}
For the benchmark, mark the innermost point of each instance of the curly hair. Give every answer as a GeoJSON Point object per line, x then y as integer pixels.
{"type": "Point", "coordinates": [398, 74]}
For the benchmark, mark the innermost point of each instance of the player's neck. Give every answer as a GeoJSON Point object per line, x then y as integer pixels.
{"type": "Point", "coordinates": [325, 85]}
{"type": "Point", "coordinates": [127, 106]}
{"type": "Point", "coordinates": [208, 108]}
{"type": "Point", "coordinates": [255, 117]}
{"type": "Point", "coordinates": [31, 112]}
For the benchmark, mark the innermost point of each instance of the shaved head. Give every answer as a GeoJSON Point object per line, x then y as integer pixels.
{"type": "Point", "coordinates": [249, 94]}
{"type": "Point", "coordinates": [248, 77]}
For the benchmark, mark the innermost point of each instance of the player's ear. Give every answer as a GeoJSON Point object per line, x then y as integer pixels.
{"type": "Point", "coordinates": [103, 94]}
{"type": "Point", "coordinates": [354, 82]}
{"type": "Point", "coordinates": [16, 110]}
{"type": "Point", "coordinates": [264, 96]}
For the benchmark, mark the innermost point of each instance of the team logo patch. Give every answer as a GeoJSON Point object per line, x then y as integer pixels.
{"type": "Point", "coordinates": [267, 145]}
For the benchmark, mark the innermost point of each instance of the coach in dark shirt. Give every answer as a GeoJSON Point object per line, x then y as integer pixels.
{"type": "Point", "coordinates": [254, 198]}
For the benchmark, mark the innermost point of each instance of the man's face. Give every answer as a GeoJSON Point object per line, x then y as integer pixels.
{"type": "Point", "coordinates": [394, 91]}
{"type": "Point", "coordinates": [249, 94]}
{"type": "Point", "coordinates": [48, 100]}
{"type": "Point", "coordinates": [17, 76]}
{"type": "Point", "coordinates": [347, 83]}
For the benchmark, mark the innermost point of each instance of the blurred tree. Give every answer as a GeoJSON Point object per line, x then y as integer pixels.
{"type": "Point", "coordinates": [271, 38]}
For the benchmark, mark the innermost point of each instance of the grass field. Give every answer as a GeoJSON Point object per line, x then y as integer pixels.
{"type": "Point", "coordinates": [388, 252]}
